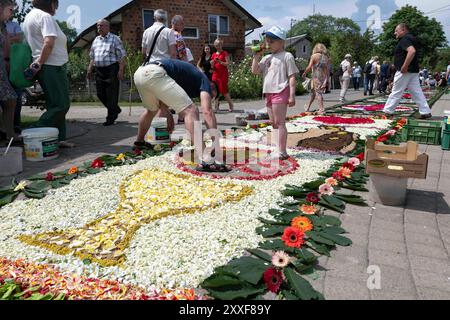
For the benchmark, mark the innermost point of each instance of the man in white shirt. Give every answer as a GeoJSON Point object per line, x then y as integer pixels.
{"type": "Point", "coordinates": [347, 70]}
{"type": "Point", "coordinates": [448, 71]}
{"type": "Point", "coordinates": [165, 48]}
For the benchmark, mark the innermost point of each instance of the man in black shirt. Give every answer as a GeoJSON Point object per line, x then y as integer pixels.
{"type": "Point", "coordinates": [407, 75]}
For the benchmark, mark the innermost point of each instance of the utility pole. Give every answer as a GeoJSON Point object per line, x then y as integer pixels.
{"type": "Point", "coordinates": [314, 8]}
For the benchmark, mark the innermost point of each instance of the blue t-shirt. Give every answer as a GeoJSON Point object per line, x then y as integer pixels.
{"type": "Point", "coordinates": [192, 80]}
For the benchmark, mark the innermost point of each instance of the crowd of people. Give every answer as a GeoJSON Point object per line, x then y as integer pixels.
{"type": "Point", "coordinates": [169, 78]}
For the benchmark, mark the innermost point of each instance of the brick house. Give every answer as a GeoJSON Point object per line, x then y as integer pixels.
{"type": "Point", "coordinates": [205, 20]}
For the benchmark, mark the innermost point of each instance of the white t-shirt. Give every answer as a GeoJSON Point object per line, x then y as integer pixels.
{"type": "Point", "coordinates": [374, 67]}
{"type": "Point", "coordinates": [277, 68]}
{"type": "Point", "coordinates": [39, 24]}
{"type": "Point", "coordinates": [165, 39]}
{"type": "Point", "coordinates": [346, 68]}
{"type": "Point", "coordinates": [448, 69]}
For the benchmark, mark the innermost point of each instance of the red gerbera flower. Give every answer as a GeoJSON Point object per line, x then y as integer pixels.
{"type": "Point", "coordinates": [349, 166]}
{"type": "Point", "coordinates": [338, 176]}
{"type": "Point", "coordinates": [49, 177]}
{"type": "Point", "coordinates": [274, 279]}
{"type": "Point", "coordinates": [97, 163]}
{"type": "Point", "coordinates": [137, 152]}
{"type": "Point", "coordinates": [293, 237]}
{"type": "Point", "coordinates": [312, 197]}
{"type": "Point", "coordinates": [382, 138]}
{"type": "Point", "coordinates": [360, 156]}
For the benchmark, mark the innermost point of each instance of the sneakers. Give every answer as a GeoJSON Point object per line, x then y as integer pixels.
{"type": "Point", "coordinates": [423, 116]}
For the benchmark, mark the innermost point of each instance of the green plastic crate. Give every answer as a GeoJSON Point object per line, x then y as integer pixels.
{"type": "Point", "coordinates": [445, 145]}
{"type": "Point", "coordinates": [422, 131]}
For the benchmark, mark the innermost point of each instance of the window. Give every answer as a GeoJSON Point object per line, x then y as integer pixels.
{"type": "Point", "coordinates": [147, 18]}
{"type": "Point", "coordinates": [190, 33]}
{"type": "Point", "coordinates": [304, 49]}
{"type": "Point", "coordinates": [218, 25]}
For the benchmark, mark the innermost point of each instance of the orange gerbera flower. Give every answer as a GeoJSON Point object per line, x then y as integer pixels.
{"type": "Point", "coordinates": [345, 172]}
{"type": "Point", "coordinates": [302, 223]}
{"type": "Point", "coordinates": [308, 209]}
{"type": "Point", "coordinates": [73, 170]}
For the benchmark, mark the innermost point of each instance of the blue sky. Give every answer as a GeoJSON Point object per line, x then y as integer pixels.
{"type": "Point", "coordinates": [270, 12]}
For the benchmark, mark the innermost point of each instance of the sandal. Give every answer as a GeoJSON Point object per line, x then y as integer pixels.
{"type": "Point", "coordinates": [212, 167]}
{"type": "Point", "coordinates": [142, 145]}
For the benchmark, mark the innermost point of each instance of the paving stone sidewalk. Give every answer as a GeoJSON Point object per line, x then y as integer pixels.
{"type": "Point", "coordinates": [409, 245]}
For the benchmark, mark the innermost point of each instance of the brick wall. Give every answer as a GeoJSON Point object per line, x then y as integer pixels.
{"type": "Point", "coordinates": [195, 13]}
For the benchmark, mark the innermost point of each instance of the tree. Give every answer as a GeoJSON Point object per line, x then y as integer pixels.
{"type": "Point", "coordinates": [21, 11]}
{"type": "Point", "coordinates": [429, 33]}
{"type": "Point", "coordinates": [361, 47]}
{"type": "Point", "coordinates": [322, 28]}
{"type": "Point", "coordinates": [71, 33]}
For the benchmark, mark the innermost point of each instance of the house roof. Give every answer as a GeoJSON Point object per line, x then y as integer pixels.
{"type": "Point", "coordinates": [87, 36]}
{"type": "Point", "coordinates": [294, 40]}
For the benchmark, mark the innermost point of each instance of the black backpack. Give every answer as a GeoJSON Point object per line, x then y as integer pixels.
{"type": "Point", "coordinates": [368, 68]}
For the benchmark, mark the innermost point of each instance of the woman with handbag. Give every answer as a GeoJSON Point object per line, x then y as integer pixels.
{"type": "Point", "coordinates": [319, 78]}
{"type": "Point", "coordinates": [49, 50]}
{"type": "Point", "coordinates": [7, 94]}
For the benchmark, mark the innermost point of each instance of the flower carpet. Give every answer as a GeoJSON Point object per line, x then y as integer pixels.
{"type": "Point", "coordinates": [149, 226]}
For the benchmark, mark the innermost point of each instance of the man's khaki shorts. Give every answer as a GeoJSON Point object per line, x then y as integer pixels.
{"type": "Point", "coordinates": [155, 85]}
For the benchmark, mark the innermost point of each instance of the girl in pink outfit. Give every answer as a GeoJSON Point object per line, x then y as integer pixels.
{"type": "Point", "coordinates": [278, 70]}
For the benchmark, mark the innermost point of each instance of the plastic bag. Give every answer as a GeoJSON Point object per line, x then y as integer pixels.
{"type": "Point", "coordinates": [20, 60]}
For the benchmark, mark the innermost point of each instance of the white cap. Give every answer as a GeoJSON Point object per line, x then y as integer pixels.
{"type": "Point", "coordinates": [348, 55]}
{"type": "Point", "coordinates": [276, 33]}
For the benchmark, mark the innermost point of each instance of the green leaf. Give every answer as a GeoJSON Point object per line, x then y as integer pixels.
{"type": "Point", "coordinates": [60, 296]}
{"type": "Point", "coordinates": [249, 269]}
{"type": "Point", "coordinates": [243, 293]}
{"type": "Point", "coordinates": [86, 261]}
{"type": "Point", "coordinates": [9, 292]}
{"type": "Point", "coordinates": [260, 254]}
{"type": "Point", "coordinates": [270, 231]}
{"type": "Point", "coordinates": [93, 170]}
{"type": "Point", "coordinates": [314, 185]}
{"type": "Point", "coordinates": [219, 280]}
{"type": "Point", "coordinates": [334, 230]}
{"type": "Point", "coordinates": [38, 186]}
{"type": "Point", "coordinates": [272, 222]}
{"type": "Point", "coordinates": [8, 198]}
{"type": "Point", "coordinates": [327, 205]}
{"type": "Point", "coordinates": [288, 295]}
{"type": "Point", "coordinates": [34, 195]}
{"type": "Point", "coordinates": [275, 245]}
{"type": "Point", "coordinates": [318, 238]}
{"type": "Point", "coordinates": [300, 286]}
{"type": "Point", "coordinates": [306, 256]}
{"type": "Point", "coordinates": [340, 240]}
{"type": "Point", "coordinates": [332, 221]}
{"type": "Point", "coordinates": [333, 201]}
{"type": "Point", "coordinates": [320, 249]}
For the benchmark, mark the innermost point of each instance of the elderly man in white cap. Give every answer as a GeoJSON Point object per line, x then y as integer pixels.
{"type": "Point", "coordinates": [346, 66]}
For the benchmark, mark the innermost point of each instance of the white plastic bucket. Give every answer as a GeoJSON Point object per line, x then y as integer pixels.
{"type": "Point", "coordinates": [390, 191]}
{"type": "Point", "coordinates": [41, 144]}
{"type": "Point", "coordinates": [11, 163]}
{"type": "Point", "coordinates": [158, 132]}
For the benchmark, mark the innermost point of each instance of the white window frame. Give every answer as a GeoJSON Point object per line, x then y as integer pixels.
{"type": "Point", "coordinates": [198, 33]}
{"type": "Point", "coordinates": [218, 24]}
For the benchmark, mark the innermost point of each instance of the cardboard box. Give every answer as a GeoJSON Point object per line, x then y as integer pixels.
{"type": "Point", "coordinates": [403, 161]}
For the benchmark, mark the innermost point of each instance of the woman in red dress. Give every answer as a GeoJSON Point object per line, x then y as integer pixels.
{"type": "Point", "coordinates": [220, 61]}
